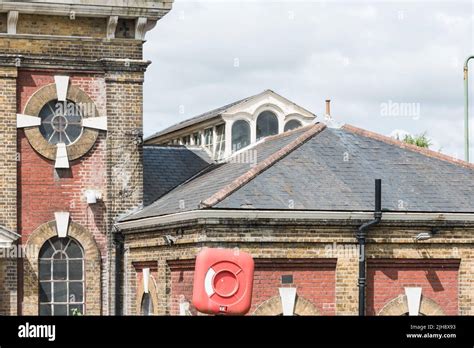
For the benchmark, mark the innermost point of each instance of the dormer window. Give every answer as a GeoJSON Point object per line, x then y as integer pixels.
{"type": "Point", "coordinates": [208, 135]}
{"type": "Point", "coordinates": [292, 124]}
{"type": "Point", "coordinates": [267, 124]}
{"type": "Point", "coordinates": [240, 135]}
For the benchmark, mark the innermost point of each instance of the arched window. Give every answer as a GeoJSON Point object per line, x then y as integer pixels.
{"type": "Point", "coordinates": [147, 304]}
{"type": "Point", "coordinates": [267, 124]}
{"type": "Point", "coordinates": [61, 277]}
{"type": "Point", "coordinates": [240, 135]}
{"type": "Point", "coordinates": [292, 124]}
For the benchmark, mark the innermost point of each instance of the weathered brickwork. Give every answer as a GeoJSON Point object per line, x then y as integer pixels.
{"type": "Point", "coordinates": [329, 290]}
{"type": "Point", "coordinates": [8, 160]}
{"type": "Point", "coordinates": [72, 47]}
{"type": "Point", "coordinates": [387, 279]}
{"type": "Point", "coordinates": [8, 182]}
{"type": "Point", "coordinates": [63, 26]}
{"type": "Point", "coordinates": [8, 286]}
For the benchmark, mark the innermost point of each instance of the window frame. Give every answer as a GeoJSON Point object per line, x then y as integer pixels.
{"type": "Point", "coordinates": [67, 280]}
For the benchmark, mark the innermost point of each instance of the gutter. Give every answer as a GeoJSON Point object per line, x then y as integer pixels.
{"type": "Point", "coordinates": [293, 215]}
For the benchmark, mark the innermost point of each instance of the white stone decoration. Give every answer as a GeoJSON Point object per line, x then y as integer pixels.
{"type": "Point", "coordinates": [184, 308]}
{"type": "Point", "coordinates": [288, 299]}
{"type": "Point", "coordinates": [7, 238]}
{"type": "Point", "coordinates": [92, 196]}
{"type": "Point", "coordinates": [95, 122]}
{"type": "Point", "coordinates": [146, 278]}
{"type": "Point", "coordinates": [140, 28]}
{"type": "Point", "coordinates": [62, 160]}
{"type": "Point", "coordinates": [413, 300]}
{"type": "Point", "coordinates": [111, 27]}
{"type": "Point", "coordinates": [62, 223]}
{"type": "Point", "coordinates": [12, 21]}
{"type": "Point", "coordinates": [62, 85]}
{"type": "Point", "coordinates": [23, 121]}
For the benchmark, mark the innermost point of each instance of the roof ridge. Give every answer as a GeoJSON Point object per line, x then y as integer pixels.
{"type": "Point", "coordinates": [262, 166]}
{"type": "Point", "coordinates": [403, 145]}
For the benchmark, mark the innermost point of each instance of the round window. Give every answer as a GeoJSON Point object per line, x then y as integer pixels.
{"type": "Point", "coordinates": [61, 122]}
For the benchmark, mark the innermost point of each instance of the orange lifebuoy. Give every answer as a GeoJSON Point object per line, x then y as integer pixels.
{"type": "Point", "coordinates": [223, 281]}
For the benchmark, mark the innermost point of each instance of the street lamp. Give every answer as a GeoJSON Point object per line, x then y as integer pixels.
{"type": "Point", "coordinates": [466, 111]}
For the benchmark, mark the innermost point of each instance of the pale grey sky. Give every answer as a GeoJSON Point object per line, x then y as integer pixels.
{"type": "Point", "coordinates": [367, 56]}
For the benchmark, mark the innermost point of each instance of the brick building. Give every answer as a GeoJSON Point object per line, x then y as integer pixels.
{"type": "Point", "coordinates": [295, 201]}
{"type": "Point", "coordinates": [109, 226]}
{"type": "Point", "coordinates": [71, 75]}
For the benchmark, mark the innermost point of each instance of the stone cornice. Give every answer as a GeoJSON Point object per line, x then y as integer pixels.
{"type": "Point", "coordinates": [153, 10]}
{"type": "Point", "coordinates": [92, 65]}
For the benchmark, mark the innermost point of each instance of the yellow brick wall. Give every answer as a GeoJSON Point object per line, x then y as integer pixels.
{"type": "Point", "coordinates": [80, 26]}
{"type": "Point", "coordinates": [302, 242]}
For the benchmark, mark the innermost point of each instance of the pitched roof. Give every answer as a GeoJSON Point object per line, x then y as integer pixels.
{"type": "Point", "coordinates": [165, 167]}
{"type": "Point", "coordinates": [212, 114]}
{"type": "Point", "coordinates": [212, 179]}
{"type": "Point", "coordinates": [198, 119]}
{"type": "Point", "coordinates": [318, 168]}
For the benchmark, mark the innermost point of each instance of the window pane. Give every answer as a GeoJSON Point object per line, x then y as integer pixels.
{"type": "Point", "coordinates": [267, 124]}
{"type": "Point", "coordinates": [45, 270]}
{"type": "Point", "coordinates": [74, 251]}
{"type": "Point", "coordinates": [293, 124]}
{"type": "Point", "coordinates": [76, 309]}
{"type": "Point", "coordinates": [45, 309]}
{"type": "Point", "coordinates": [46, 251]}
{"type": "Point", "coordinates": [45, 292]}
{"type": "Point", "coordinates": [59, 269]}
{"type": "Point", "coordinates": [60, 309]}
{"type": "Point", "coordinates": [57, 243]}
{"type": "Point", "coordinates": [240, 135]}
{"type": "Point", "coordinates": [75, 292]}
{"type": "Point", "coordinates": [60, 292]}
{"type": "Point", "coordinates": [75, 270]}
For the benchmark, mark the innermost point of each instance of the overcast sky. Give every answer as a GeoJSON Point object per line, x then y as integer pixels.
{"type": "Point", "coordinates": [368, 57]}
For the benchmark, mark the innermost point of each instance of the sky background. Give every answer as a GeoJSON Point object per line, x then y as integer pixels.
{"type": "Point", "coordinates": [367, 57]}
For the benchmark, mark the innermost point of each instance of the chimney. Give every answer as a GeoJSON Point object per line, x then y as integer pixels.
{"type": "Point", "coordinates": [328, 107]}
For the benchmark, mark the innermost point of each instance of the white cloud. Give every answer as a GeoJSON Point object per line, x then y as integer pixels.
{"type": "Point", "coordinates": [358, 54]}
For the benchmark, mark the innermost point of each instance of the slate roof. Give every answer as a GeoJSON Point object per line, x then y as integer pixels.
{"type": "Point", "coordinates": [165, 167]}
{"type": "Point", "coordinates": [320, 168]}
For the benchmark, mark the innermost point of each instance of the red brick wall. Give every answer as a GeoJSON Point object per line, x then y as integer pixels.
{"type": "Point", "coordinates": [315, 282]}
{"type": "Point", "coordinates": [437, 278]}
{"type": "Point", "coordinates": [41, 191]}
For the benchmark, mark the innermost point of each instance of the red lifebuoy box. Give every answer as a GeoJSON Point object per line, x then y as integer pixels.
{"type": "Point", "coordinates": [223, 281]}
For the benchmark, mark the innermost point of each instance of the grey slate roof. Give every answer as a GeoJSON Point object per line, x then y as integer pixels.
{"type": "Point", "coordinates": [211, 180]}
{"type": "Point", "coordinates": [165, 167]}
{"type": "Point", "coordinates": [334, 170]}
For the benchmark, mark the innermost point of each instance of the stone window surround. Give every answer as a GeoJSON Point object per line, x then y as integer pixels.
{"type": "Point", "coordinates": [152, 287]}
{"type": "Point", "coordinates": [399, 306]}
{"type": "Point", "coordinates": [92, 263]}
{"type": "Point", "coordinates": [36, 102]}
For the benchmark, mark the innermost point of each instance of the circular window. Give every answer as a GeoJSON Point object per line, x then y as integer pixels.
{"type": "Point", "coordinates": [61, 122]}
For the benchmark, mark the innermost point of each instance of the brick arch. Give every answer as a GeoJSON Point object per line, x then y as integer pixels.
{"type": "Point", "coordinates": [152, 290]}
{"type": "Point", "coordinates": [34, 105]}
{"type": "Point", "coordinates": [92, 266]}
{"type": "Point", "coordinates": [272, 306]}
{"type": "Point", "coordinates": [399, 306]}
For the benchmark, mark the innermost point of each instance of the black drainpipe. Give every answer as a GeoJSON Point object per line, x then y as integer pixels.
{"type": "Point", "coordinates": [361, 235]}
{"type": "Point", "coordinates": [119, 252]}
